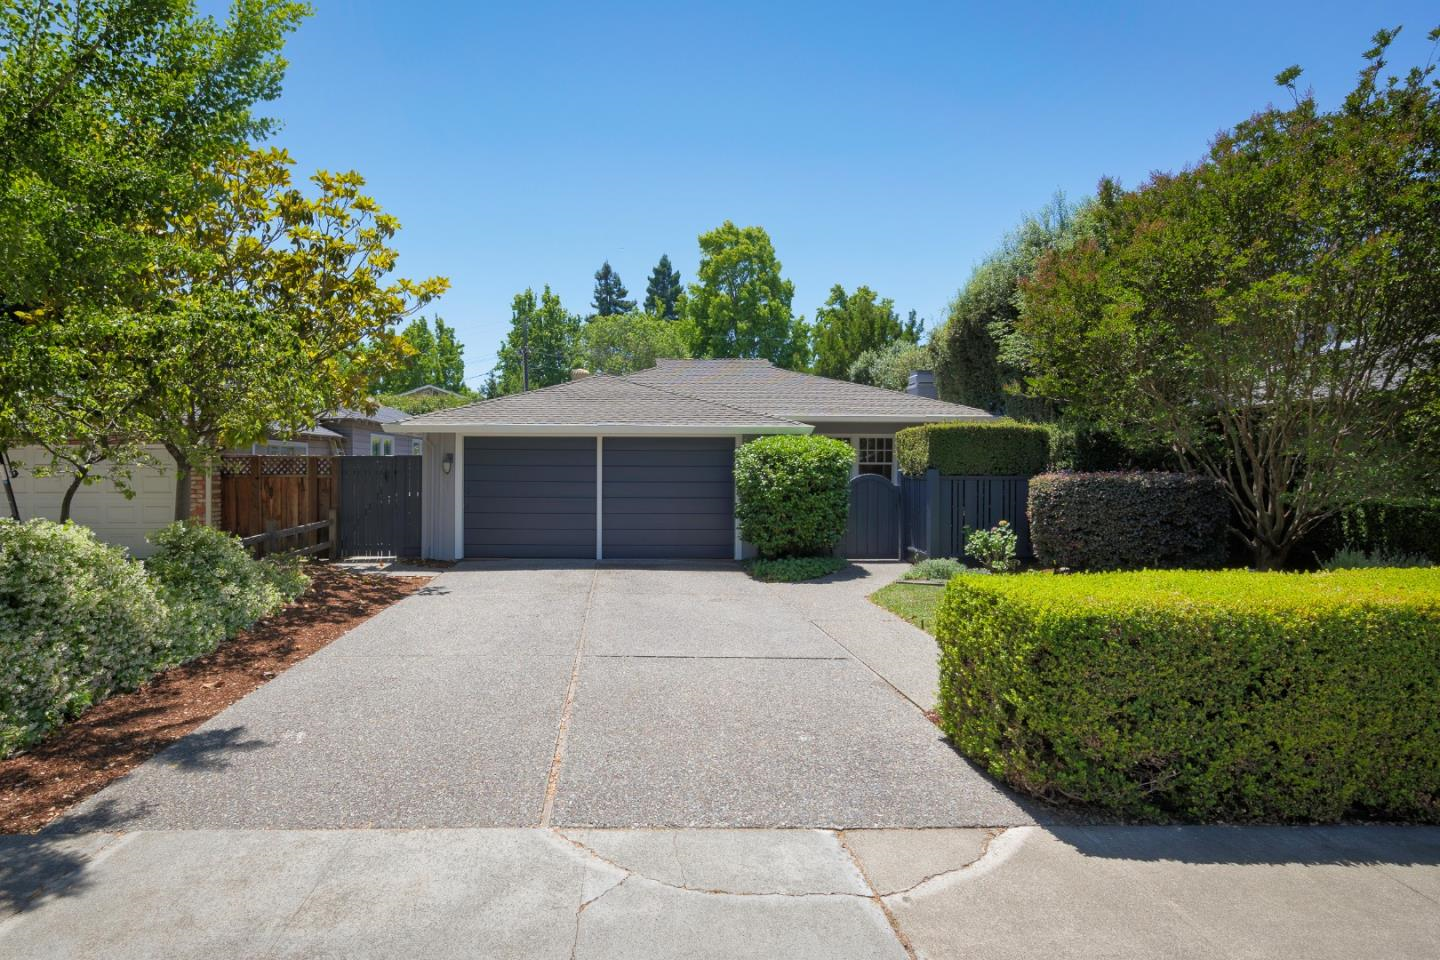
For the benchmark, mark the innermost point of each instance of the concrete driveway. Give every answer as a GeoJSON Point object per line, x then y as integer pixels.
{"type": "Point", "coordinates": [552, 761]}
{"type": "Point", "coordinates": [512, 695]}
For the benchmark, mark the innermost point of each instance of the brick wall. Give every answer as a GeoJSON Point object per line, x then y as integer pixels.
{"type": "Point", "coordinates": [197, 498]}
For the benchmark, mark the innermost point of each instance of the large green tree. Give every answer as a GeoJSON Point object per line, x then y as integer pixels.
{"type": "Point", "coordinates": [433, 357]}
{"type": "Point", "coordinates": [610, 293]}
{"type": "Point", "coordinates": [543, 343]}
{"type": "Point", "coordinates": [627, 342]}
{"type": "Point", "coordinates": [741, 306]}
{"type": "Point", "coordinates": [284, 308]}
{"type": "Point", "coordinates": [850, 324]}
{"type": "Point", "coordinates": [1270, 313]}
{"type": "Point", "coordinates": [108, 111]}
{"type": "Point", "coordinates": [663, 291]}
{"type": "Point", "coordinates": [978, 351]}
{"type": "Point", "coordinates": [891, 365]}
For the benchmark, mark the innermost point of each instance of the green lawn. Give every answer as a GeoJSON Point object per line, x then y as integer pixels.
{"type": "Point", "coordinates": [912, 601]}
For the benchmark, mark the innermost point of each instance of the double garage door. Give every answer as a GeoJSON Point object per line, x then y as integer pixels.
{"type": "Point", "coordinates": [536, 497]}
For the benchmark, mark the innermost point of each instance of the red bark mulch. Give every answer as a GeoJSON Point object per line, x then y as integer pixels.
{"type": "Point", "coordinates": [122, 732]}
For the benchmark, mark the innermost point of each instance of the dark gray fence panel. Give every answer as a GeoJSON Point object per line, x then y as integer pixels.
{"type": "Point", "coordinates": [379, 506]}
{"type": "Point", "coordinates": [941, 510]}
{"type": "Point", "coordinates": [873, 529]}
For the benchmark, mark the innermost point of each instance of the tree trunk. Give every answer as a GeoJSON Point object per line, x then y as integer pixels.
{"type": "Point", "coordinates": [183, 472]}
{"type": "Point", "coordinates": [69, 497]}
{"type": "Point", "coordinates": [9, 488]}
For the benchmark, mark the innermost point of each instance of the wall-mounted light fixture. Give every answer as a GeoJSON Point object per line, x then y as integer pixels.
{"type": "Point", "coordinates": [447, 463]}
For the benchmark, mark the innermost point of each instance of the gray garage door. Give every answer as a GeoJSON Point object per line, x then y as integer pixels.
{"type": "Point", "coordinates": [669, 498]}
{"type": "Point", "coordinates": [530, 497]}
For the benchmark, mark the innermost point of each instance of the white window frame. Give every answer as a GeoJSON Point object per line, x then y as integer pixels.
{"type": "Point", "coordinates": [385, 442]}
{"type": "Point", "coordinates": [894, 459]}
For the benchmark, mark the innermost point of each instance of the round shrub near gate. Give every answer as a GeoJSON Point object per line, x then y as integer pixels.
{"type": "Point", "coordinates": [1127, 521]}
{"type": "Point", "coordinates": [793, 494]}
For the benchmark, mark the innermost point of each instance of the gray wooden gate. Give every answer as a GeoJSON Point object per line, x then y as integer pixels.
{"type": "Point", "coordinates": [379, 506]}
{"type": "Point", "coordinates": [873, 530]}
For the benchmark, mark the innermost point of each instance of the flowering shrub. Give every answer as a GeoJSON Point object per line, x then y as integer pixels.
{"type": "Point", "coordinates": [78, 620]}
{"type": "Point", "coordinates": [212, 588]}
{"type": "Point", "coordinates": [994, 549]}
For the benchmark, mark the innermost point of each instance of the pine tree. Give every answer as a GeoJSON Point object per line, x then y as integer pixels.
{"type": "Point", "coordinates": [610, 293]}
{"type": "Point", "coordinates": [662, 293]}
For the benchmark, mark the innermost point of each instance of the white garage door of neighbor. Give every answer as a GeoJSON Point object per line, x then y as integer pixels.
{"type": "Point", "coordinates": [100, 506]}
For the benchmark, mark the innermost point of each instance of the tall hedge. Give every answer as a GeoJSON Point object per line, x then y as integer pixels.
{"type": "Point", "coordinates": [792, 494]}
{"type": "Point", "coordinates": [1127, 521]}
{"type": "Point", "coordinates": [1410, 526]}
{"type": "Point", "coordinates": [977, 448]}
{"type": "Point", "coordinates": [1201, 695]}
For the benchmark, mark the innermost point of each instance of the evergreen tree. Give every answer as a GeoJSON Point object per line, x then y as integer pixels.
{"type": "Point", "coordinates": [545, 333]}
{"type": "Point", "coordinates": [610, 293]}
{"type": "Point", "coordinates": [662, 293]}
{"type": "Point", "coordinates": [849, 325]}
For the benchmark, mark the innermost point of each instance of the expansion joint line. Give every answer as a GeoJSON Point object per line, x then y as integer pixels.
{"type": "Point", "coordinates": [552, 783]}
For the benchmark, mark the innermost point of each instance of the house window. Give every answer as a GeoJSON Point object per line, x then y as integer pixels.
{"type": "Point", "coordinates": [381, 445]}
{"type": "Point", "coordinates": [875, 455]}
{"type": "Point", "coordinates": [280, 448]}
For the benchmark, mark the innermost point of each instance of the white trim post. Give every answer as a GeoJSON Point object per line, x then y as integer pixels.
{"type": "Point", "coordinates": [599, 497]}
{"type": "Point", "coordinates": [458, 475]}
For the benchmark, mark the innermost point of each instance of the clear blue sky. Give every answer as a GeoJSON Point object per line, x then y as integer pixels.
{"type": "Point", "coordinates": [887, 144]}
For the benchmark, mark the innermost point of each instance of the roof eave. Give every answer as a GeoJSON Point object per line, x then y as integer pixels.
{"type": "Point", "coordinates": [598, 429]}
{"type": "Point", "coordinates": [891, 417]}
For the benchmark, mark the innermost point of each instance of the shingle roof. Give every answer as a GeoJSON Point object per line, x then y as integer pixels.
{"type": "Point", "coordinates": [382, 414]}
{"type": "Point", "coordinates": [603, 401]}
{"type": "Point", "coordinates": [760, 386]}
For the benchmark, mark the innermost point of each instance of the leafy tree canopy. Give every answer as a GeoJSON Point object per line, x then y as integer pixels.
{"type": "Point", "coordinates": [890, 366]}
{"type": "Point", "coordinates": [663, 292]}
{"type": "Point", "coordinates": [1270, 313]}
{"type": "Point", "coordinates": [431, 357]}
{"type": "Point", "coordinates": [627, 342]}
{"type": "Point", "coordinates": [979, 351]}
{"type": "Point", "coordinates": [545, 332]}
{"type": "Point", "coordinates": [851, 324]}
{"type": "Point", "coordinates": [610, 293]}
{"type": "Point", "coordinates": [741, 306]}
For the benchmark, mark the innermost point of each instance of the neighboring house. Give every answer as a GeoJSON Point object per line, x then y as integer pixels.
{"type": "Point", "coordinates": [315, 442]}
{"type": "Point", "coordinates": [427, 390]}
{"type": "Point", "coordinates": [640, 466]}
{"type": "Point", "coordinates": [346, 433]}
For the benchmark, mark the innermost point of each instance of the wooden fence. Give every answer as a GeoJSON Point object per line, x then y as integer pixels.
{"type": "Point", "coordinates": [277, 541]}
{"type": "Point", "coordinates": [940, 510]}
{"type": "Point", "coordinates": [283, 492]}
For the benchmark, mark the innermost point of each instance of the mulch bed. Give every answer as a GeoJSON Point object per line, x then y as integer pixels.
{"type": "Point", "coordinates": [122, 732]}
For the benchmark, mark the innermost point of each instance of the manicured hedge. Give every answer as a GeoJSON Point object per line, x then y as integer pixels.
{"type": "Point", "coordinates": [1199, 695]}
{"type": "Point", "coordinates": [80, 620]}
{"type": "Point", "coordinates": [1409, 527]}
{"type": "Point", "coordinates": [792, 494]}
{"type": "Point", "coordinates": [999, 448]}
{"type": "Point", "coordinates": [1120, 521]}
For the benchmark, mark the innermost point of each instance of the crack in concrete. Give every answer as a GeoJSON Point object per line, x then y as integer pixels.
{"type": "Point", "coordinates": [879, 901]}
{"type": "Point", "coordinates": [999, 844]}
{"type": "Point", "coordinates": [686, 887]}
{"type": "Point", "coordinates": [990, 836]}
{"type": "Point", "coordinates": [585, 905]}
{"type": "Point", "coordinates": [552, 782]}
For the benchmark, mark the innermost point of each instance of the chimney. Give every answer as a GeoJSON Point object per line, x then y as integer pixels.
{"type": "Point", "coordinates": [579, 373]}
{"type": "Point", "coordinates": [922, 384]}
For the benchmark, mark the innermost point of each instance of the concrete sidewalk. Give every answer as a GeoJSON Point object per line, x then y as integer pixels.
{"type": "Point", "coordinates": [1022, 892]}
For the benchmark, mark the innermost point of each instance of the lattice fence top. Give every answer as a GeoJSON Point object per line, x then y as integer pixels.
{"type": "Point", "coordinates": [275, 466]}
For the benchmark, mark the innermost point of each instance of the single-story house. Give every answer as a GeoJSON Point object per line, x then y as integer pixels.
{"type": "Point", "coordinates": [640, 466]}
{"type": "Point", "coordinates": [346, 433]}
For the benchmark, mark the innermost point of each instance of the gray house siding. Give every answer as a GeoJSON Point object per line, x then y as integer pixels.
{"type": "Point", "coordinates": [667, 497]}
{"type": "Point", "coordinates": [437, 498]}
{"type": "Point", "coordinates": [356, 437]}
{"type": "Point", "coordinates": [530, 497]}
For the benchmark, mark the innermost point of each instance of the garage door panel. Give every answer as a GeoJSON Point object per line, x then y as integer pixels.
{"type": "Point", "coordinates": [530, 497]}
{"type": "Point", "coordinates": [683, 489]}
{"type": "Point", "coordinates": [669, 498]}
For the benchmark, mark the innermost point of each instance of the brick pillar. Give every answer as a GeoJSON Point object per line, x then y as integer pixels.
{"type": "Point", "coordinates": [197, 498]}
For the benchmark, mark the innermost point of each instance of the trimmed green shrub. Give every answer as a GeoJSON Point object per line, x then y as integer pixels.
{"type": "Point", "coordinates": [794, 569]}
{"type": "Point", "coordinates": [1118, 521]}
{"type": "Point", "coordinates": [998, 448]}
{"type": "Point", "coordinates": [793, 494]}
{"type": "Point", "coordinates": [935, 568]}
{"type": "Point", "coordinates": [78, 620]}
{"type": "Point", "coordinates": [1200, 695]}
{"type": "Point", "coordinates": [212, 588]}
{"type": "Point", "coordinates": [1385, 526]}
